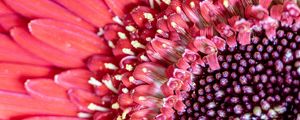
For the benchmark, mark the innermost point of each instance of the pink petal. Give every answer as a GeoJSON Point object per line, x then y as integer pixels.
{"type": "Point", "coordinates": [52, 118]}
{"type": "Point", "coordinates": [11, 83]}
{"type": "Point", "coordinates": [14, 104]}
{"type": "Point", "coordinates": [276, 11]}
{"type": "Point", "coordinates": [120, 7]}
{"type": "Point", "coordinates": [8, 21]}
{"type": "Point", "coordinates": [45, 9]}
{"type": "Point", "coordinates": [149, 72]}
{"type": "Point", "coordinates": [42, 50]}
{"type": "Point", "coordinates": [139, 16]}
{"type": "Point", "coordinates": [204, 45]}
{"type": "Point", "coordinates": [45, 89]}
{"type": "Point", "coordinates": [68, 38]}
{"type": "Point", "coordinates": [212, 60]}
{"type": "Point", "coordinates": [76, 78]}
{"type": "Point", "coordinates": [4, 9]}
{"type": "Point", "coordinates": [93, 11]}
{"type": "Point", "coordinates": [83, 98]}
{"type": "Point", "coordinates": [22, 70]}
{"type": "Point", "coordinates": [11, 52]}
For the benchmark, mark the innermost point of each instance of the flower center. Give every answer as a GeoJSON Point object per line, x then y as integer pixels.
{"type": "Point", "coordinates": [259, 80]}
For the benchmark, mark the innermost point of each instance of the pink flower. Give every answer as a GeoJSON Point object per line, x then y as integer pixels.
{"type": "Point", "coordinates": [149, 59]}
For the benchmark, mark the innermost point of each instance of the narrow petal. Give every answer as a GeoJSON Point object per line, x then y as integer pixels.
{"type": "Point", "coordinates": [8, 21]}
{"type": "Point", "coordinates": [67, 37]}
{"type": "Point", "coordinates": [52, 118]}
{"type": "Point", "coordinates": [45, 9]}
{"type": "Point", "coordinates": [93, 11]}
{"type": "Point", "coordinates": [42, 50]}
{"type": "Point", "coordinates": [22, 70]}
{"type": "Point", "coordinates": [11, 83]}
{"type": "Point", "coordinates": [4, 9]}
{"type": "Point", "coordinates": [14, 104]}
{"type": "Point", "coordinates": [45, 89]}
{"type": "Point", "coordinates": [76, 78]}
{"type": "Point", "coordinates": [120, 7]}
{"type": "Point", "coordinates": [83, 98]}
{"type": "Point", "coordinates": [11, 52]}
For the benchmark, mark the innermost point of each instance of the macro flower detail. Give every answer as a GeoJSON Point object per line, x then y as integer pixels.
{"type": "Point", "coordinates": [149, 59]}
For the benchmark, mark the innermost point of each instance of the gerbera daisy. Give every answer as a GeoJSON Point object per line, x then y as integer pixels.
{"type": "Point", "coordinates": [149, 59]}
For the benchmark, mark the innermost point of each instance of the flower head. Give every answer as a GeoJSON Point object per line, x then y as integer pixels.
{"type": "Point", "coordinates": [162, 59]}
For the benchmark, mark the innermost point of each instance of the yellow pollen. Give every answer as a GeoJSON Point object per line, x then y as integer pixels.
{"type": "Point", "coordinates": [148, 39]}
{"type": "Point", "coordinates": [167, 1]}
{"type": "Point", "coordinates": [165, 17]}
{"type": "Point", "coordinates": [129, 67]}
{"type": "Point", "coordinates": [127, 51]}
{"type": "Point", "coordinates": [110, 66]}
{"type": "Point", "coordinates": [226, 3]}
{"type": "Point", "coordinates": [118, 77]}
{"type": "Point", "coordinates": [137, 44]}
{"type": "Point", "coordinates": [126, 111]}
{"type": "Point", "coordinates": [159, 31]}
{"type": "Point", "coordinates": [164, 45]}
{"type": "Point", "coordinates": [142, 98]}
{"type": "Point", "coordinates": [95, 107]}
{"type": "Point", "coordinates": [115, 106]}
{"type": "Point", "coordinates": [94, 82]}
{"type": "Point", "coordinates": [111, 44]}
{"type": "Point", "coordinates": [144, 70]}
{"type": "Point", "coordinates": [131, 79]}
{"type": "Point", "coordinates": [178, 9]}
{"type": "Point", "coordinates": [119, 118]}
{"type": "Point", "coordinates": [144, 58]}
{"type": "Point", "coordinates": [125, 90]}
{"type": "Point", "coordinates": [192, 4]}
{"type": "Point", "coordinates": [149, 16]}
{"type": "Point", "coordinates": [173, 24]}
{"type": "Point", "coordinates": [122, 35]}
{"type": "Point", "coordinates": [130, 28]}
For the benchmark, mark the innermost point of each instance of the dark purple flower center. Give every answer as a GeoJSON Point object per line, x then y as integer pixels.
{"type": "Point", "coordinates": [256, 81]}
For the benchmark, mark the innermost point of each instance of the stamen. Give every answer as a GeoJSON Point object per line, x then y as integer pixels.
{"type": "Point", "coordinates": [144, 58]}
{"type": "Point", "coordinates": [127, 51]}
{"type": "Point", "coordinates": [129, 67]}
{"type": "Point", "coordinates": [178, 9]}
{"type": "Point", "coordinates": [110, 66]}
{"type": "Point", "coordinates": [159, 31]}
{"type": "Point", "coordinates": [125, 112]}
{"type": "Point", "coordinates": [111, 44]}
{"type": "Point", "coordinates": [131, 79]}
{"type": "Point", "coordinates": [110, 85]}
{"type": "Point", "coordinates": [192, 4]}
{"type": "Point", "coordinates": [149, 16]}
{"type": "Point", "coordinates": [100, 32]}
{"type": "Point", "coordinates": [84, 115]}
{"type": "Point", "coordinates": [130, 28]}
{"type": "Point", "coordinates": [95, 107]}
{"type": "Point", "coordinates": [122, 35]}
{"type": "Point", "coordinates": [118, 20]}
{"type": "Point", "coordinates": [125, 90]}
{"type": "Point", "coordinates": [137, 44]}
{"type": "Point", "coordinates": [115, 106]}
{"type": "Point", "coordinates": [148, 39]}
{"type": "Point", "coordinates": [94, 82]}
{"type": "Point", "coordinates": [226, 3]}
{"type": "Point", "coordinates": [118, 77]}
